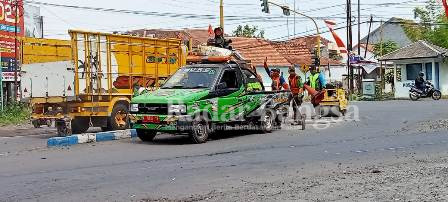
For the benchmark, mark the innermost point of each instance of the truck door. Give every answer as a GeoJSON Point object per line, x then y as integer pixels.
{"type": "Point", "coordinates": [230, 105]}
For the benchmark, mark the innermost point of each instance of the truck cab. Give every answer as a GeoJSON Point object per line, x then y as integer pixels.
{"type": "Point", "coordinates": [200, 99]}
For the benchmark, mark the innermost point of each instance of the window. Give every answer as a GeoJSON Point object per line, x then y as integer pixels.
{"type": "Point", "coordinates": [428, 67]}
{"type": "Point", "coordinates": [250, 76]}
{"type": "Point", "coordinates": [230, 78]}
{"type": "Point", "coordinates": [412, 71]}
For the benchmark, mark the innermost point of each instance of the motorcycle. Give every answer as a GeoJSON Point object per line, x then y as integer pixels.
{"type": "Point", "coordinates": [430, 91]}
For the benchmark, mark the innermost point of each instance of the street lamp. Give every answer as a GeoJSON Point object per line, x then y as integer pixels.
{"type": "Point", "coordinates": [287, 11]}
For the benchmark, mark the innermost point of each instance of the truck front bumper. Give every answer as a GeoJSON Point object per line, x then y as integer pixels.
{"type": "Point", "coordinates": [169, 123]}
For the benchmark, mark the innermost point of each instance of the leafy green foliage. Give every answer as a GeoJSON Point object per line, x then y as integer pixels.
{"type": "Point", "coordinates": [433, 27]}
{"type": "Point", "coordinates": [15, 113]}
{"type": "Point", "coordinates": [248, 31]}
{"type": "Point", "coordinates": [384, 48]}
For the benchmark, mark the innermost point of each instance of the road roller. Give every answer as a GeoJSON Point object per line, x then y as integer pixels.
{"type": "Point", "coordinates": [334, 103]}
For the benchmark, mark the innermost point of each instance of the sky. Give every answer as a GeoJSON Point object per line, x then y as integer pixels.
{"type": "Point", "coordinates": [178, 14]}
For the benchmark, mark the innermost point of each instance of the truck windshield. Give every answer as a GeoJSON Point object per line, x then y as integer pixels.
{"type": "Point", "coordinates": [191, 77]}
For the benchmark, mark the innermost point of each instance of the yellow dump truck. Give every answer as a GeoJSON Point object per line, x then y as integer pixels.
{"type": "Point", "coordinates": [92, 86]}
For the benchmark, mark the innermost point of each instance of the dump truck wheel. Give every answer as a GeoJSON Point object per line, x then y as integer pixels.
{"type": "Point", "coordinates": [119, 119]}
{"type": "Point", "coordinates": [146, 135]}
{"type": "Point", "coordinates": [80, 125]}
{"type": "Point", "coordinates": [201, 130]}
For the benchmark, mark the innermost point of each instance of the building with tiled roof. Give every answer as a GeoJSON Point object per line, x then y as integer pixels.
{"type": "Point", "coordinates": [257, 49]}
{"type": "Point", "coordinates": [420, 56]}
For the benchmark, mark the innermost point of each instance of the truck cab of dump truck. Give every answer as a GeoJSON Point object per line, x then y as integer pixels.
{"type": "Point", "coordinates": [201, 99]}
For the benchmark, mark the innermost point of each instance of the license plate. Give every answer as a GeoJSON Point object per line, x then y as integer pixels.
{"type": "Point", "coordinates": [151, 119]}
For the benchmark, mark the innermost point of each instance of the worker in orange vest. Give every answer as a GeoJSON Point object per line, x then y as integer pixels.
{"type": "Point", "coordinates": [278, 81]}
{"type": "Point", "coordinates": [296, 86]}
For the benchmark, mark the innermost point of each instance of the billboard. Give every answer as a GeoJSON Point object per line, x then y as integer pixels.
{"type": "Point", "coordinates": [33, 22]}
{"type": "Point", "coordinates": [10, 22]}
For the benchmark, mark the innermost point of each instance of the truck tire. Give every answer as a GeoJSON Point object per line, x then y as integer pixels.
{"type": "Point", "coordinates": [201, 130]}
{"type": "Point", "coordinates": [146, 135]}
{"type": "Point", "coordinates": [36, 123]}
{"type": "Point", "coordinates": [80, 125]}
{"type": "Point", "coordinates": [119, 119]}
{"type": "Point", "coordinates": [266, 122]}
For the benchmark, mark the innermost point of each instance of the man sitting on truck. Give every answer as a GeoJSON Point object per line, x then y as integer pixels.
{"type": "Point", "coordinates": [296, 86]}
{"type": "Point", "coordinates": [278, 81]}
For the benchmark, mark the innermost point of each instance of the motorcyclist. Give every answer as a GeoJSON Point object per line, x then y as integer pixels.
{"type": "Point", "coordinates": [420, 82]}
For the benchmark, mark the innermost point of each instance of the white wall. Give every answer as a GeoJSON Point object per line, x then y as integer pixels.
{"type": "Point", "coordinates": [402, 87]}
{"type": "Point", "coordinates": [37, 74]}
{"type": "Point", "coordinates": [443, 74]}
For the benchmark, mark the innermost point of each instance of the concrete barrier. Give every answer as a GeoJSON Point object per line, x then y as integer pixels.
{"type": "Point", "coordinates": [91, 137]}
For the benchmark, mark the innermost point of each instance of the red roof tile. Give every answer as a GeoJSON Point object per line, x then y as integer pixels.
{"type": "Point", "coordinates": [256, 50]}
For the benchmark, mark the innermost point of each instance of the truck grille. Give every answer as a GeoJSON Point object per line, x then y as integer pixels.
{"type": "Point", "coordinates": [156, 109]}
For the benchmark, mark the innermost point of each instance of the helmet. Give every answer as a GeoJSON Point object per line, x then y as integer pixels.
{"type": "Point", "coordinates": [421, 73]}
{"type": "Point", "coordinates": [276, 70]}
{"type": "Point", "coordinates": [292, 69]}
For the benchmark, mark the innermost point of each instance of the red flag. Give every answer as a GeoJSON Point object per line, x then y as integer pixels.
{"type": "Point", "coordinates": [210, 30]}
{"type": "Point", "coordinates": [330, 24]}
{"type": "Point", "coordinates": [445, 4]}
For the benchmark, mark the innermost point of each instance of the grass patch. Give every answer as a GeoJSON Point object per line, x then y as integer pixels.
{"type": "Point", "coordinates": [15, 114]}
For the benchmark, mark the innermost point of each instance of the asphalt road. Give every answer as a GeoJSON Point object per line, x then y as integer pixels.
{"type": "Point", "coordinates": [234, 167]}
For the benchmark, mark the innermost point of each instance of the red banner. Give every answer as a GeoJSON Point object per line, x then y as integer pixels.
{"type": "Point", "coordinates": [330, 24]}
{"type": "Point", "coordinates": [445, 4]}
{"type": "Point", "coordinates": [8, 21]}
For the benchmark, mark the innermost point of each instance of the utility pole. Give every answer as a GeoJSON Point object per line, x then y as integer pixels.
{"type": "Point", "coordinates": [349, 45]}
{"type": "Point", "coordinates": [359, 45]}
{"type": "Point", "coordinates": [1, 83]}
{"type": "Point", "coordinates": [221, 14]}
{"type": "Point", "coordinates": [287, 25]}
{"type": "Point", "coordinates": [16, 84]}
{"type": "Point", "coordinates": [294, 19]}
{"type": "Point", "coordinates": [381, 55]}
{"type": "Point", "coordinates": [359, 27]}
{"type": "Point", "coordinates": [368, 36]}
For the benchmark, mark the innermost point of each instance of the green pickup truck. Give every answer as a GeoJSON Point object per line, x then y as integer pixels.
{"type": "Point", "coordinates": [203, 99]}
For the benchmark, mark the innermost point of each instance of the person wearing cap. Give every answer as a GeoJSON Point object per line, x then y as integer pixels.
{"type": "Point", "coordinates": [278, 81]}
{"type": "Point", "coordinates": [315, 80]}
{"type": "Point", "coordinates": [296, 87]}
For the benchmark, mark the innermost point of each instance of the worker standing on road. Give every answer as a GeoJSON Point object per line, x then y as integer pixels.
{"type": "Point", "coordinates": [278, 81]}
{"type": "Point", "coordinates": [316, 81]}
{"type": "Point", "coordinates": [296, 86]}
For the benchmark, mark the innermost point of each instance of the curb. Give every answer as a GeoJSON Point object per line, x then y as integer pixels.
{"type": "Point", "coordinates": [91, 137]}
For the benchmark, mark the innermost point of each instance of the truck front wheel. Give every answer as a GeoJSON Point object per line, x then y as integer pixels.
{"type": "Point", "coordinates": [200, 130]}
{"type": "Point", "coordinates": [146, 135]}
{"type": "Point", "coordinates": [118, 119]}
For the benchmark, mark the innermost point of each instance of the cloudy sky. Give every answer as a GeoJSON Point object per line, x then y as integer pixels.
{"type": "Point", "coordinates": [176, 14]}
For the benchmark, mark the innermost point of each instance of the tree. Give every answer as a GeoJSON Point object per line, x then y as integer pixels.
{"type": "Point", "coordinates": [248, 31]}
{"type": "Point", "coordinates": [384, 48]}
{"type": "Point", "coordinates": [433, 24]}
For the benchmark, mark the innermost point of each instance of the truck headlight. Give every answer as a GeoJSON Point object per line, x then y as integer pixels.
{"type": "Point", "coordinates": [177, 109]}
{"type": "Point", "coordinates": [134, 107]}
